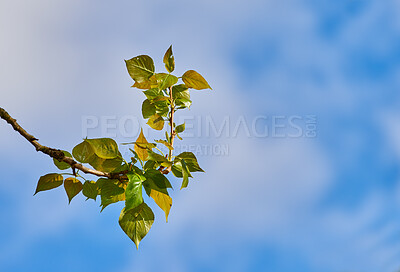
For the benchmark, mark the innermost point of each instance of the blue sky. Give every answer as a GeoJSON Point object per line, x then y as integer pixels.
{"type": "Point", "coordinates": [328, 203]}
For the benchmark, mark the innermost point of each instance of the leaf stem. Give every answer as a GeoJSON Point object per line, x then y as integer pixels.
{"type": "Point", "coordinates": [171, 123]}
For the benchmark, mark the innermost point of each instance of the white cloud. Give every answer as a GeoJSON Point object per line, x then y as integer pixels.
{"type": "Point", "coordinates": [266, 190]}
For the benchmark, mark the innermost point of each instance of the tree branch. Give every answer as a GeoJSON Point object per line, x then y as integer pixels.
{"type": "Point", "coordinates": [55, 153]}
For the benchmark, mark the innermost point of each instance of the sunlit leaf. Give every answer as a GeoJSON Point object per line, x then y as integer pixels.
{"type": "Point", "coordinates": [48, 182]}
{"type": "Point", "coordinates": [163, 201]}
{"type": "Point", "coordinates": [177, 169]}
{"type": "Point", "coordinates": [148, 109]}
{"type": "Point", "coordinates": [168, 145]}
{"type": "Point", "coordinates": [169, 60]}
{"type": "Point", "coordinates": [72, 187]}
{"type": "Point", "coordinates": [190, 160]}
{"type": "Point", "coordinates": [156, 122]}
{"type": "Point", "coordinates": [160, 159]}
{"type": "Point", "coordinates": [104, 148]}
{"type": "Point", "coordinates": [83, 152]}
{"type": "Point", "coordinates": [90, 189]}
{"type": "Point", "coordinates": [140, 151]}
{"type": "Point", "coordinates": [147, 84]}
{"type": "Point", "coordinates": [111, 191]}
{"type": "Point", "coordinates": [180, 128]}
{"type": "Point", "coordinates": [149, 165]}
{"type": "Point", "coordinates": [194, 80]}
{"type": "Point", "coordinates": [137, 222]}
{"type": "Point", "coordinates": [181, 95]}
{"type": "Point", "coordinates": [180, 91]}
{"type": "Point", "coordinates": [186, 174]}
{"type": "Point", "coordinates": [104, 165]}
{"type": "Point", "coordinates": [156, 181]}
{"type": "Point", "coordinates": [140, 68]}
{"type": "Point", "coordinates": [165, 81]}
{"type": "Point", "coordinates": [153, 93]}
{"type": "Point", "coordinates": [133, 192]}
{"type": "Point", "coordinates": [63, 165]}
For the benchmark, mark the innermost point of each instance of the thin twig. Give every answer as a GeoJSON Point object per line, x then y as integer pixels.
{"type": "Point", "coordinates": [173, 133]}
{"type": "Point", "coordinates": [55, 153]}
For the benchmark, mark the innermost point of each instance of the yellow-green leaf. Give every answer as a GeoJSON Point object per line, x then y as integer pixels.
{"type": "Point", "coordinates": [145, 85]}
{"type": "Point", "coordinates": [106, 165]}
{"type": "Point", "coordinates": [83, 152]}
{"type": "Point", "coordinates": [163, 201]}
{"type": "Point", "coordinates": [148, 109]}
{"type": "Point", "coordinates": [104, 148]}
{"type": "Point", "coordinates": [90, 189]}
{"type": "Point", "coordinates": [156, 122]}
{"type": "Point", "coordinates": [180, 128]}
{"type": "Point", "coordinates": [140, 151]}
{"type": "Point", "coordinates": [140, 68]}
{"type": "Point", "coordinates": [72, 187]}
{"type": "Point", "coordinates": [190, 160]}
{"type": "Point", "coordinates": [48, 182]}
{"type": "Point", "coordinates": [194, 80]}
{"type": "Point", "coordinates": [111, 191]}
{"type": "Point", "coordinates": [170, 147]}
{"type": "Point", "coordinates": [165, 81]}
{"type": "Point", "coordinates": [137, 222]}
{"type": "Point", "coordinates": [169, 60]}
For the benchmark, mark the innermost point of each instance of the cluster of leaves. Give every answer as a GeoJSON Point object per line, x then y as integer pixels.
{"type": "Point", "coordinates": [148, 166]}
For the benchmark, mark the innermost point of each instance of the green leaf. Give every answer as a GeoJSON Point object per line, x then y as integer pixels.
{"type": "Point", "coordinates": [159, 159]}
{"type": "Point", "coordinates": [181, 95]}
{"type": "Point", "coordinates": [165, 81]}
{"type": "Point", "coordinates": [83, 152]}
{"type": "Point", "coordinates": [180, 128]}
{"type": "Point", "coordinates": [104, 165]}
{"type": "Point", "coordinates": [111, 191]}
{"type": "Point", "coordinates": [140, 68]}
{"type": "Point", "coordinates": [104, 148]}
{"type": "Point", "coordinates": [48, 182]}
{"type": "Point", "coordinates": [164, 201]}
{"type": "Point", "coordinates": [139, 172]}
{"type": "Point", "coordinates": [183, 103]}
{"type": "Point", "coordinates": [148, 109]}
{"type": "Point", "coordinates": [156, 181]}
{"type": "Point", "coordinates": [186, 174]}
{"type": "Point", "coordinates": [72, 187]}
{"type": "Point", "coordinates": [167, 144]}
{"type": "Point", "coordinates": [177, 169]}
{"type": "Point", "coordinates": [90, 189]}
{"type": "Point", "coordinates": [142, 145]}
{"type": "Point", "coordinates": [133, 192]}
{"type": "Point", "coordinates": [160, 100]}
{"type": "Point", "coordinates": [149, 165]}
{"type": "Point", "coordinates": [153, 93]}
{"type": "Point", "coordinates": [180, 91]}
{"type": "Point", "coordinates": [194, 80]}
{"type": "Point", "coordinates": [63, 165]}
{"type": "Point", "coordinates": [169, 60]}
{"type": "Point", "coordinates": [190, 160]}
{"type": "Point", "coordinates": [121, 168]}
{"type": "Point", "coordinates": [156, 122]}
{"type": "Point", "coordinates": [140, 151]}
{"type": "Point", "coordinates": [147, 84]}
{"type": "Point", "coordinates": [137, 222]}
